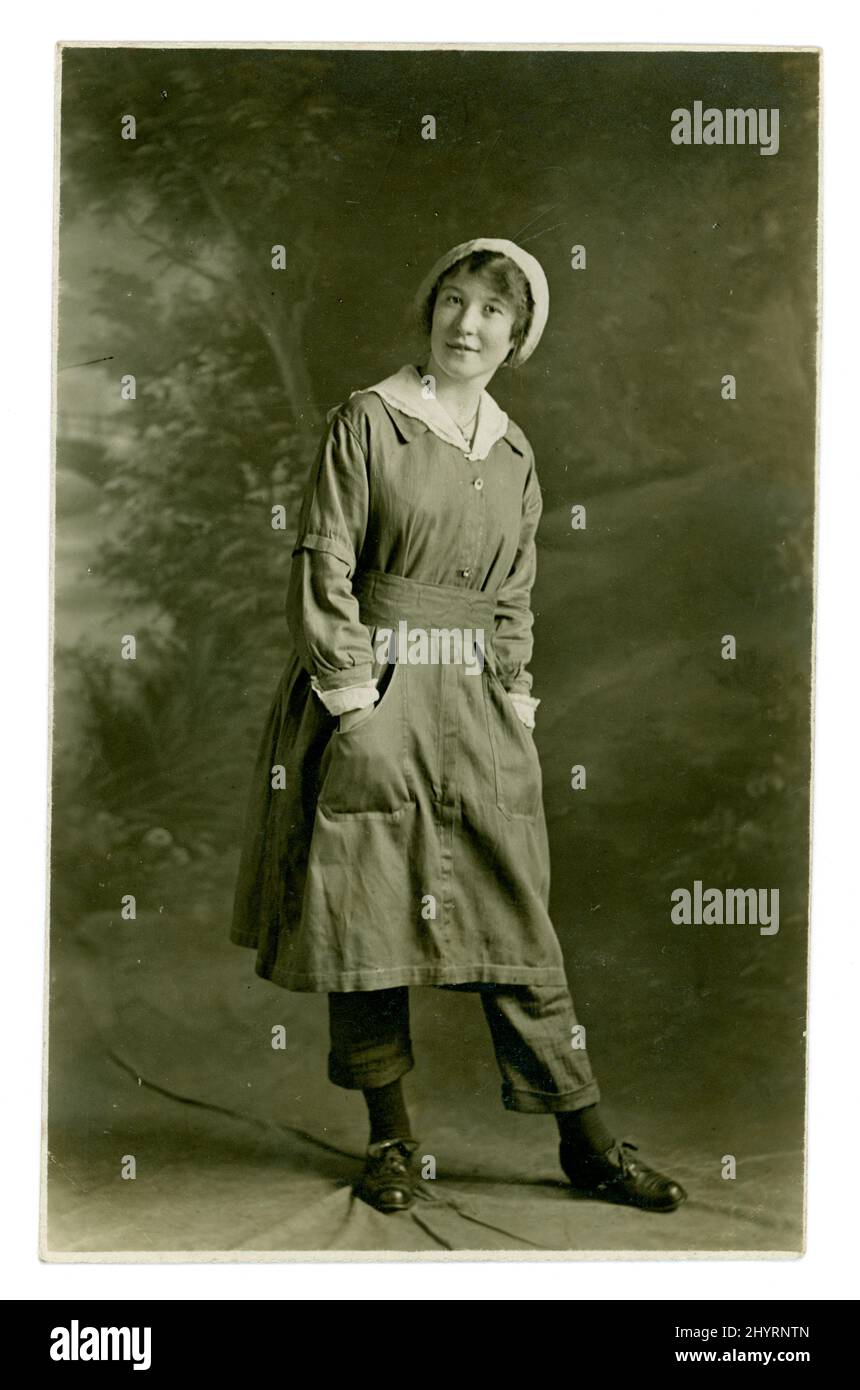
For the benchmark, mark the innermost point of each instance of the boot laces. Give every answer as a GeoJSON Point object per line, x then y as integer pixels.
{"type": "Point", "coordinates": [621, 1151]}
{"type": "Point", "coordinates": [393, 1154]}
{"type": "Point", "coordinates": [628, 1164]}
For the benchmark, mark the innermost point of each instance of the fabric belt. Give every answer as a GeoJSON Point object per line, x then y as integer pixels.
{"type": "Point", "coordinates": [387, 599]}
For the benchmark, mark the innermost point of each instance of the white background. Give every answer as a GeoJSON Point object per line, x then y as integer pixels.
{"type": "Point", "coordinates": [828, 1270]}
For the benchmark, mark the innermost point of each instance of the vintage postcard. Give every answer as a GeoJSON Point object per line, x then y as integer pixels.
{"type": "Point", "coordinates": [435, 478]}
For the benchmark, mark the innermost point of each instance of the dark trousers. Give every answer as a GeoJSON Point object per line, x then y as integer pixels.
{"type": "Point", "coordinates": [532, 1028]}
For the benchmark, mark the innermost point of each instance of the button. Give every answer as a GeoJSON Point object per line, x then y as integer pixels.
{"type": "Point", "coordinates": [479, 483]}
{"type": "Point", "coordinates": [465, 573]}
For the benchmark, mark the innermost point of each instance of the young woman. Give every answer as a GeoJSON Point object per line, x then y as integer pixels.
{"type": "Point", "coordinates": [396, 832]}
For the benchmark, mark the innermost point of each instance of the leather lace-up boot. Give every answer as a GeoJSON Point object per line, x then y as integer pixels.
{"type": "Point", "coordinates": [616, 1176]}
{"type": "Point", "coordinates": [386, 1181]}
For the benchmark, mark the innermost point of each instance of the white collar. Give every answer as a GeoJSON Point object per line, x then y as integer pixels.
{"type": "Point", "coordinates": [405, 392]}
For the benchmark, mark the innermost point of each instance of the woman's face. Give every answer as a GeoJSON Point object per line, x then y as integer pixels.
{"type": "Point", "coordinates": [472, 324]}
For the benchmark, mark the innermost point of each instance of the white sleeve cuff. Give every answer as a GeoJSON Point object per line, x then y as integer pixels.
{"type": "Point", "coordinates": [348, 697]}
{"type": "Point", "coordinates": [525, 706]}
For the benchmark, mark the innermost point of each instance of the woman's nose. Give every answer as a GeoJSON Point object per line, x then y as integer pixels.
{"type": "Point", "coordinates": [469, 320]}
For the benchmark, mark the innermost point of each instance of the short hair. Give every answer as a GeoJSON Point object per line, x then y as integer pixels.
{"type": "Point", "coordinates": [507, 280]}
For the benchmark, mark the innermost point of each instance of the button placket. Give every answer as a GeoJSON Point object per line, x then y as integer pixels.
{"type": "Point", "coordinates": [474, 529]}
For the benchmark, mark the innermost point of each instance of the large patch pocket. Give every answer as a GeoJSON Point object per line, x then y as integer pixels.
{"type": "Point", "coordinates": [519, 782]}
{"type": "Point", "coordinates": [364, 768]}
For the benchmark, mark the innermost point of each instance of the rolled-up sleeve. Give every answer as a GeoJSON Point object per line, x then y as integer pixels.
{"type": "Point", "coordinates": [514, 639]}
{"type": "Point", "coordinates": [322, 612]}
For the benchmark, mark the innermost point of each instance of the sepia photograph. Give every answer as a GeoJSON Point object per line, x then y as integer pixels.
{"type": "Point", "coordinates": [435, 459]}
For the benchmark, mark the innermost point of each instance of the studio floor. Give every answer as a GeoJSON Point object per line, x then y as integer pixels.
{"type": "Point", "coordinates": [160, 1053]}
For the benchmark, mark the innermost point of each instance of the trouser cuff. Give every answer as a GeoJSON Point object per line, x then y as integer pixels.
{"type": "Point", "coordinates": [360, 1076]}
{"type": "Point", "coordinates": [549, 1102]}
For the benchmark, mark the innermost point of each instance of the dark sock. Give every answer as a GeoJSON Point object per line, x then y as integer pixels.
{"type": "Point", "coordinates": [386, 1108]}
{"type": "Point", "coordinates": [583, 1131]}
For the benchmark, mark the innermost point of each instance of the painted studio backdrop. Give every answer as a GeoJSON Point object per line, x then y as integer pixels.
{"type": "Point", "coordinates": [671, 407]}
